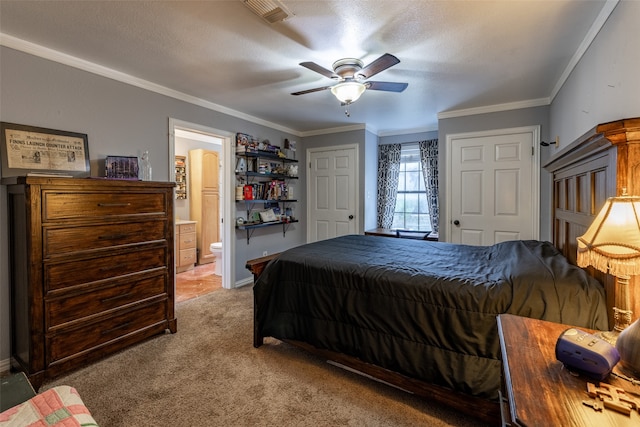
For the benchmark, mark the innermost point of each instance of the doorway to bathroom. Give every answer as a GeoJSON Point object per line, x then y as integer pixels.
{"type": "Point", "coordinates": [201, 164]}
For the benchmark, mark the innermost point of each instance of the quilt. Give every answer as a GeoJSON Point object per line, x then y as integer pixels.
{"type": "Point", "coordinates": [60, 406]}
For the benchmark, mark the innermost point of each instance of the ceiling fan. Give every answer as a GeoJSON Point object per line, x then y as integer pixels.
{"type": "Point", "coordinates": [352, 76]}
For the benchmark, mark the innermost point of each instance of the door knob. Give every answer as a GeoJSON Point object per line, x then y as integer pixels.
{"type": "Point", "coordinates": [350, 216]}
{"type": "Point", "coordinates": [456, 222]}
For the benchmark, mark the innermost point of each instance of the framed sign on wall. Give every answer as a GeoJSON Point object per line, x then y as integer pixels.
{"type": "Point", "coordinates": [30, 150]}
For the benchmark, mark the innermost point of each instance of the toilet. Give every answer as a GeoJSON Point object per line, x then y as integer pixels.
{"type": "Point", "coordinates": [216, 250]}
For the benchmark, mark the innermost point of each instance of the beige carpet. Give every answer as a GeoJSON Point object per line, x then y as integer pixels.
{"type": "Point", "coordinates": [209, 374]}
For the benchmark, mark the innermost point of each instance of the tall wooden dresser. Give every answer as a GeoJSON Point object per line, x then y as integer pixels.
{"type": "Point", "coordinates": [91, 269]}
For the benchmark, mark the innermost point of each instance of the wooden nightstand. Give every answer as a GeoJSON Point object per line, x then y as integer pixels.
{"type": "Point", "coordinates": [539, 389]}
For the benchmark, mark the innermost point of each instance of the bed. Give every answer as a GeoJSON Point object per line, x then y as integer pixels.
{"type": "Point", "coordinates": [369, 303]}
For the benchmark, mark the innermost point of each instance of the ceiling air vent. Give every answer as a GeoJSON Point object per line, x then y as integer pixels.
{"type": "Point", "coordinates": [271, 11]}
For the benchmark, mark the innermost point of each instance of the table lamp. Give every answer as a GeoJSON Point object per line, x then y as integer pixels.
{"type": "Point", "coordinates": [612, 245]}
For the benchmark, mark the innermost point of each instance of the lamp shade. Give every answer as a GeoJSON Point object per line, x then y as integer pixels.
{"type": "Point", "coordinates": [348, 92]}
{"type": "Point", "coordinates": [612, 243]}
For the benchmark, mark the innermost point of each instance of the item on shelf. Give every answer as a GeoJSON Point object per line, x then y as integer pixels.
{"type": "Point", "coordinates": [264, 167]}
{"type": "Point", "coordinates": [181, 178]}
{"type": "Point", "coordinates": [248, 192]}
{"type": "Point", "coordinates": [268, 216]}
{"type": "Point", "coordinates": [241, 164]}
{"type": "Point", "coordinates": [245, 142]}
{"type": "Point", "coordinates": [240, 192]}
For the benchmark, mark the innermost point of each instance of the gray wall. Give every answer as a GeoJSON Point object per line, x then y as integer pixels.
{"type": "Point", "coordinates": [370, 194]}
{"type": "Point", "coordinates": [501, 120]}
{"type": "Point", "coordinates": [605, 85]}
{"type": "Point", "coordinates": [119, 119]}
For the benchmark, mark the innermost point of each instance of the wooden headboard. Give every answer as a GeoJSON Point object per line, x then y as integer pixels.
{"type": "Point", "coordinates": [594, 167]}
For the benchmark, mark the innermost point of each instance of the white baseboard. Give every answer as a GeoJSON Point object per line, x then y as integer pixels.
{"type": "Point", "coordinates": [244, 282]}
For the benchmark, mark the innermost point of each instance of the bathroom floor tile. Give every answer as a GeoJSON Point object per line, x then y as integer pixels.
{"type": "Point", "coordinates": [196, 282]}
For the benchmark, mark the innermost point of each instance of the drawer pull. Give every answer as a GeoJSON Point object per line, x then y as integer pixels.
{"type": "Point", "coordinates": [112, 237]}
{"type": "Point", "coordinates": [114, 297]}
{"type": "Point", "coordinates": [108, 331]}
{"type": "Point", "coordinates": [113, 205]}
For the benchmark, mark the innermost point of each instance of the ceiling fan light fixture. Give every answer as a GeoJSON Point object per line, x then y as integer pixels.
{"type": "Point", "coordinates": [348, 92]}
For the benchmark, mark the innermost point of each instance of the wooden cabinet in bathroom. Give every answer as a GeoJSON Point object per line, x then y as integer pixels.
{"type": "Point", "coordinates": [92, 265]}
{"type": "Point", "coordinates": [204, 200]}
{"type": "Point", "coordinates": [186, 245]}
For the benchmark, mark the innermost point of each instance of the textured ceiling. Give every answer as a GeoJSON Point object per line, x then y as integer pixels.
{"type": "Point", "coordinates": [455, 55]}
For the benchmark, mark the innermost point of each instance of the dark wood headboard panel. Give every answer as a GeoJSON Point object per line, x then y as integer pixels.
{"type": "Point", "coordinates": [594, 167]}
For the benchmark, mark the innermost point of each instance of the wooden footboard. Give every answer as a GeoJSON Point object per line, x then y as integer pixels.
{"type": "Point", "coordinates": [256, 267]}
{"type": "Point", "coordinates": [482, 409]}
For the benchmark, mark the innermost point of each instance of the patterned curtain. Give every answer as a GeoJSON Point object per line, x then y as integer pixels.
{"type": "Point", "coordinates": [388, 174]}
{"type": "Point", "coordinates": [429, 159]}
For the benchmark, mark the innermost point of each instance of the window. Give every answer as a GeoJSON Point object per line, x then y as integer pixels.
{"type": "Point", "coordinates": [412, 210]}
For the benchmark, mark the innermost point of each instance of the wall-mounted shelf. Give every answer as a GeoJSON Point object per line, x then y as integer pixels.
{"type": "Point", "coordinates": [264, 176]}
{"type": "Point", "coordinates": [250, 227]}
{"type": "Point", "coordinates": [181, 178]}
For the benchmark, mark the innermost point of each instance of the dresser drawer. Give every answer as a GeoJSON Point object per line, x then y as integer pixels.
{"type": "Point", "coordinates": [58, 241]}
{"type": "Point", "coordinates": [187, 241]}
{"type": "Point", "coordinates": [57, 205]}
{"type": "Point", "coordinates": [94, 301]}
{"type": "Point", "coordinates": [186, 228]}
{"type": "Point", "coordinates": [186, 257]}
{"type": "Point", "coordinates": [62, 275]}
{"type": "Point", "coordinates": [72, 341]}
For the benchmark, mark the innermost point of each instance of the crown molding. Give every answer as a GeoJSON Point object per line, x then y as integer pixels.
{"type": "Point", "coordinates": [494, 108]}
{"type": "Point", "coordinates": [338, 129]}
{"type": "Point", "coordinates": [72, 61]}
{"type": "Point", "coordinates": [597, 25]}
{"type": "Point", "coordinates": [408, 131]}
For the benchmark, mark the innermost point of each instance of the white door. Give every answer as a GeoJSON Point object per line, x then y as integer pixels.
{"type": "Point", "coordinates": [493, 186]}
{"type": "Point", "coordinates": [332, 192]}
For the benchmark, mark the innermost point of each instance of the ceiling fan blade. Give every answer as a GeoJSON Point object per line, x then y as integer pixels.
{"type": "Point", "coordinates": [385, 61]}
{"type": "Point", "coordinates": [387, 86]}
{"type": "Point", "coordinates": [321, 70]}
{"type": "Point", "coordinates": [318, 89]}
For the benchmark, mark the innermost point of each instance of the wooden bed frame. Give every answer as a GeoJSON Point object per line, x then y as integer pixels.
{"type": "Point", "coordinates": [594, 167]}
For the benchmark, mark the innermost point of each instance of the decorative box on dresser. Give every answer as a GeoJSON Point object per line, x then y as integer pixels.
{"type": "Point", "coordinates": [91, 269]}
{"type": "Point", "coordinates": [186, 244]}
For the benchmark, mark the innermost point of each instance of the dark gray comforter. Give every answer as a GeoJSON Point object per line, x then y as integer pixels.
{"type": "Point", "coordinates": [424, 309]}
